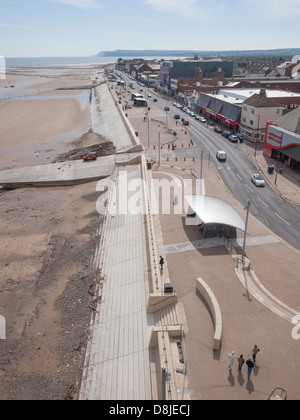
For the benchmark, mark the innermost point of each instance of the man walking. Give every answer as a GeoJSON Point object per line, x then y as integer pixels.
{"type": "Point", "coordinates": [250, 365]}
{"type": "Point", "coordinates": [161, 262]}
{"type": "Point", "coordinates": [231, 360]}
{"type": "Point", "coordinates": [254, 353]}
{"type": "Point", "coordinates": [241, 362]}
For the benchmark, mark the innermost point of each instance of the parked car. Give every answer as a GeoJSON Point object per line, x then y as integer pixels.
{"type": "Point", "coordinates": [221, 155]}
{"type": "Point", "coordinates": [202, 119]}
{"type": "Point", "coordinates": [166, 108]}
{"type": "Point", "coordinates": [174, 104]}
{"type": "Point", "coordinates": [233, 138]}
{"type": "Point", "coordinates": [90, 156]}
{"type": "Point", "coordinates": [177, 117]}
{"type": "Point", "coordinates": [226, 133]}
{"type": "Point", "coordinates": [192, 114]}
{"type": "Point", "coordinates": [186, 122]}
{"type": "Point", "coordinates": [149, 95]}
{"type": "Point", "coordinates": [258, 180]}
{"type": "Point", "coordinates": [218, 129]}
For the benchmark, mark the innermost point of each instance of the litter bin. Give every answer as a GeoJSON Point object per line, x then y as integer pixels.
{"type": "Point", "coordinates": [270, 169]}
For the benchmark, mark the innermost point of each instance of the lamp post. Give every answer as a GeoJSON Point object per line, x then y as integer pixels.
{"type": "Point", "coordinates": [245, 233]}
{"type": "Point", "coordinates": [278, 158]}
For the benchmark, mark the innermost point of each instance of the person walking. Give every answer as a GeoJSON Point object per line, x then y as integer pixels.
{"type": "Point", "coordinates": [241, 362]}
{"type": "Point", "coordinates": [231, 360]}
{"type": "Point", "coordinates": [254, 353]}
{"type": "Point", "coordinates": [161, 262]}
{"type": "Point", "coordinates": [250, 365]}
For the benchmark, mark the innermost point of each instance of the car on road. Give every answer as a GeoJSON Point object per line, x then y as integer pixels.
{"type": "Point", "coordinates": [233, 138]}
{"type": "Point", "coordinates": [258, 180]}
{"type": "Point", "coordinates": [177, 117]}
{"type": "Point", "coordinates": [202, 119]}
{"type": "Point", "coordinates": [149, 95]}
{"type": "Point", "coordinates": [221, 155]}
{"type": "Point", "coordinates": [90, 156]}
{"type": "Point", "coordinates": [174, 104]}
{"type": "Point", "coordinates": [218, 129]}
{"type": "Point", "coordinates": [192, 114]}
{"type": "Point", "coordinates": [166, 108]}
{"type": "Point", "coordinates": [186, 122]}
{"type": "Point", "coordinates": [226, 133]}
{"type": "Point", "coordinates": [154, 100]}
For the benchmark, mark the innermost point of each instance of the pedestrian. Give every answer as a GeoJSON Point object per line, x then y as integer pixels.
{"type": "Point", "coordinates": [254, 353]}
{"type": "Point", "coordinates": [161, 262]}
{"type": "Point", "coordinates": [231, 360]}
{"type": "Point", "coordinates": [241, 362]}
{"type": "Point", "coordinates": [250, 365]}
{"type": "Point", "coordinates": [169, 147]}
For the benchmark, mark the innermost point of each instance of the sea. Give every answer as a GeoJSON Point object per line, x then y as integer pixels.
{"type": "Point", "coordinates": [15, 62]}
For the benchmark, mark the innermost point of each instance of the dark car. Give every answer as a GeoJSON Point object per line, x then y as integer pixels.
{"type": "Point", "coordinates": [218, 129]}
{"type": "Point", "coordinates": [166, 108]}
{"type": "Point", "coordinates": [177, 117]}
{"type": "Point", "coordinates": [226, 133]}
{"type": "Point", "coordinates": [154, 100]}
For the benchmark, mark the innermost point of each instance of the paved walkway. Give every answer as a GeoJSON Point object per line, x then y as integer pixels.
{"type": "Point", "coordinates": [250, 314]}
{"type": "Point", "coordinates": [118, 365]}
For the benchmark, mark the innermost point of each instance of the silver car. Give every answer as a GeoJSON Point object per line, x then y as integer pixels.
{"type": "Point", "coordinates": [258, 180]}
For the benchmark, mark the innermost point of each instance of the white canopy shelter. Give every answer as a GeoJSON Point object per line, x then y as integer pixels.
{"type": "Point", "coordinates": [212, 210]}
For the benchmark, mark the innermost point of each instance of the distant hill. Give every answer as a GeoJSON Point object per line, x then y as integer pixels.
{"type": "Point", "coordinates": [190, 53]}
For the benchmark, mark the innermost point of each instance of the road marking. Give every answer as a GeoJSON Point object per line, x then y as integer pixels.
{"type": "Point", "coordinates": [263, 202]}
{"type": "Point", "coordinates": [248, 188]}
{"type": "Point", "coordinates": [239, 176]}
{"type": "Point", "coordinates": [282, 219]}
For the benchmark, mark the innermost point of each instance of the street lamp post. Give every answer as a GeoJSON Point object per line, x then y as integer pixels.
{"type": "Point", "coordinates": [245, 233]}
{"type": "Point", "coordinates": [278, 158]}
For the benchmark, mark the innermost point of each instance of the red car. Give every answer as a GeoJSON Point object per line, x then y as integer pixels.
{"type": "Point", "coordinates": [90, 156]}
{"type": "Point", "coordinates": [218, 129]}
{"type": "Point", "coordinates": [167, 108]}
{"type": "Point", "coordinates": [186, 122]}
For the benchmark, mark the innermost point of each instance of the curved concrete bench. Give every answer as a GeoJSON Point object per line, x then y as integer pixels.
{"type": "Point", "coordinates": [212, 302]}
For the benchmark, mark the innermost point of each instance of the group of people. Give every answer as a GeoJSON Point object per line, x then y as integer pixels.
{"type": "Point", "coordinates": [241, 361]}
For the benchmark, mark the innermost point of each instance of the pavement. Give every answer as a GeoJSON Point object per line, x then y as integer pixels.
{"type": "Point", "coordinates": [256, 306]}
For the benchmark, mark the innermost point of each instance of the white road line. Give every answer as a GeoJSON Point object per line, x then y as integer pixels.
{"type": "Point", "coordinates": [239, 176]}
{"type": "Point", "coordinates": [263, 202]}
{"type": "Point", "coordinates": [282, 219]}
{"type": "Point", "coordinates": [248, 188]}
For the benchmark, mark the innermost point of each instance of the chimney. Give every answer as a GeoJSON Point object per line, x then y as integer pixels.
{"type": "Point", "coordinates": [262, 93]}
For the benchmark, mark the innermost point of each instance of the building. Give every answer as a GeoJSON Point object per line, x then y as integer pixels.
{"type": "Point", "coordinates": [222, 110]}
{"type": "Point", "coordinates": [256, 111]}
{"type": "Point", "coordinates": [282, 140]}
{"type": "Point", "coordinates": [171, 70]}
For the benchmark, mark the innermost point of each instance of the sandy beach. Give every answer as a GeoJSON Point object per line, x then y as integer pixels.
{"type": "Point", "coordinates": [48, 235]}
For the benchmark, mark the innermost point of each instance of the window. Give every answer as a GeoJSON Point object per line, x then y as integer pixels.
{"type": "Point", "coordinates": [252, 111]}
{"type": "Point", "coordinates": [245, 108]}
{"type": "Point", "coordinates": [251, 122]}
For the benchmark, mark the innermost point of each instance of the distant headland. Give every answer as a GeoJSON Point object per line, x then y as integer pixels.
{"type": "Point", "coordinates": [192, 53]}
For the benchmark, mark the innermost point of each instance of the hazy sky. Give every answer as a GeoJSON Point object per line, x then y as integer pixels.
{"type": "Point", "coordinates": [43, 28]}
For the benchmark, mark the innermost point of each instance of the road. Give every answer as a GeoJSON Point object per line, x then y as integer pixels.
{"type": "Point", "coordinates": [282, 218]}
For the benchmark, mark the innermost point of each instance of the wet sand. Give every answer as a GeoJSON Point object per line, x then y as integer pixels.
{"type": "Point", "coordinates": [37, 121]}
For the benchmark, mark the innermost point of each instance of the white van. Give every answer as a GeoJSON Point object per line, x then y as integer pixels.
{"type": "Point", "coordinates": [221, 155]}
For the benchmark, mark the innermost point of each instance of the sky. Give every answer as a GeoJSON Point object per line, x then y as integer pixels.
{"type": "Point", "coordinates": [73, 28]}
